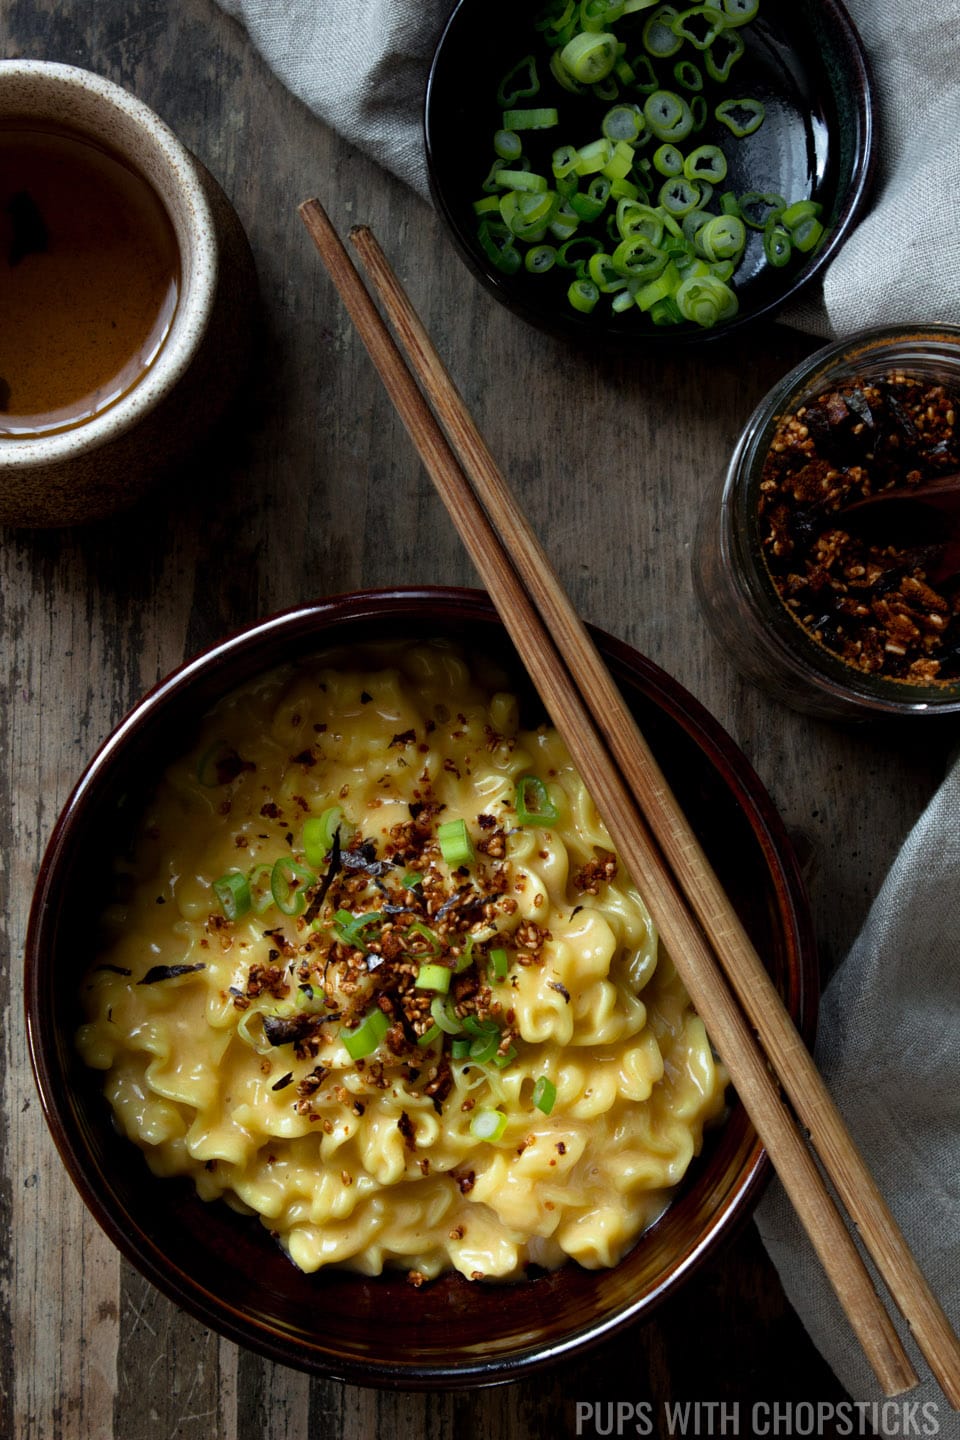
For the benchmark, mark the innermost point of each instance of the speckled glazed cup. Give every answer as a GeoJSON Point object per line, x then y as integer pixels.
{"type": "Point", "coordinates": [109, 460]}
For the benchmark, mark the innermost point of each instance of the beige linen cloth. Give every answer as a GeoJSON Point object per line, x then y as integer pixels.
{"type": "Point", "coordinates": [890, 1027]}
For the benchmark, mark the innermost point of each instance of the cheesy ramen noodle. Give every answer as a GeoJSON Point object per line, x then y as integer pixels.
{"type": "Point", "coordinates": [381, 980]}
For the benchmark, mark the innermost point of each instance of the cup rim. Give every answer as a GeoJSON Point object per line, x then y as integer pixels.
{"type": "Point", "coordinates": [194, 306]}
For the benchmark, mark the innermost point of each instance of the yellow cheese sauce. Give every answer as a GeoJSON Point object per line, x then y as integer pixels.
{"type": "Point", "coordinates": [378, 977]}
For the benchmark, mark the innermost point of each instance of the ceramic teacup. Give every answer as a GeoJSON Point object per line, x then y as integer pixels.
{"type": "Point", "coordinates": [107, 460]}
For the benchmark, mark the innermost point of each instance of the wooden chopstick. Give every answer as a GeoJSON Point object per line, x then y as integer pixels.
{"type": "Point", "coordinates": [696, 879]}
{"type": "Point", "coordinates": [541, 654]}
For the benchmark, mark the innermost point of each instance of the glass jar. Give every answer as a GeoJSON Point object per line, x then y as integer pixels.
{"type": "Point", "coordinates": [734, 585]}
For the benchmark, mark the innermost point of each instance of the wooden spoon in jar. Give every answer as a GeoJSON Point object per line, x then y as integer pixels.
{"type": "Point", "coordinates": [940, 526]}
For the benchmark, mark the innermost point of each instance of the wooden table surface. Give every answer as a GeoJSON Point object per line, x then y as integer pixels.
{"type": "Point", "coordinates": [315, 491]}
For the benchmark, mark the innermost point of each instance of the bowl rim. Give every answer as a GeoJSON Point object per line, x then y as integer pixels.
{"type": "Point", "coordinates": [256, 1332]}
{"type": "Point", "coordinates": [856, 196]}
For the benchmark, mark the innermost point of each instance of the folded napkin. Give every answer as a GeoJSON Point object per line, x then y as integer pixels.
{"type": "Point", "coordinates": [891, 1017]}
{"type": "Point", "coordinates": [888, 1050]}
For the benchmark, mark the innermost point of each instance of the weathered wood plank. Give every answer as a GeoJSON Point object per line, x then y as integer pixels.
{"type": "Point", "coordinates": [315, 491]}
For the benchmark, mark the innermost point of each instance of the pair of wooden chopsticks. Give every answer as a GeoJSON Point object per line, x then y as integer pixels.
{"type": "Point", "coordinates": [652, 836]}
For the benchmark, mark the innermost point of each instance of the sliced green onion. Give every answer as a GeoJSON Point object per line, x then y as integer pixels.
{"type": "Point", "coordinates": [507, 145]}
{"type": "Point", "coordinates": [411, 879]}
{"type": "Point", "coordinates": [233, 892]}
{"type": "Point", "coordinates": [433, 977]}
{"type": "Point", "coordinates": [706, 300]}
{"type": "Point", "coordinates": [543, 118]}
{"type": "Point", "coordinates": [723, 237]}
{"type": "Point", "coordinates": [638, 259]}
{"type": "Point", "coordinates": [362, 1041]}
{"type": "Point", "coordinates": [659, 37]}
{"type": "Point", "coordinates": [806, 236]}
{"type": "Point", "coordinates": [575, 253]}
{"type": "Point", "coordinates": [679, 196]}
{"type": "Point", "coordinates": [444, 1015]}
{"type": "Point", "coordinates": [800, 210]}
{"type": "Point", "coordinates": [496, 242]}
{"type": "Point", "coordinates": [668, 160]}
{"type": "Point", "coordinates": [261, 894]}
{"type": "Point", "coordinates": [777, 245]}
{"type": "Point", "coordinates": [456, 847]}
{"type": "Point", "coordinates": [465, 958]}
{"type": "Point", "coordinates": [289, 882]}
{"type": "Point", "coordinates": [596, 14]}
{"type": "Point", "coordinates": [351, 929]}
{"type": "Point", "coordinates": [544, 1094]}
{"type": "Point", "coordinates": [758, 210]}
{"type": "Point", "coordinates": [622, 122]}
{"type": "Point", "coordinates": [499, 963]}
{"type": "Point", "coordinates": [520, 83]}
{"type": "Point", "coordinates": [473, 1026]}
{"type": "Point", "coordinates": [739, 12]}
{"type": "Point", "coordinates": [706, 162]}
{"type": "Point", "coordinates": [540, 258]}
{"type": "Point", "coordinates": [319, 833]}
{"type": "Point", "coordinates": [668, 115]}
{"type": "Point", "coordinates": [484, 1047]}
{"type": "Point", "coordinates": [700, 25]}
{"type": "Point", "coordinates": [417, 930]}
{"type": "Point", "coordinates": [583, 296]}
{"type": "Point", "coordinates": [741, 117]}
{"type": "Point", "coordinates": [644, 76]}
{"type": "Point", "coordinates": [590, 56]}
{"type": "Point", "coordinates": [564, 161]}
{"type": "Point", "coordinates": [428, 1036]}
{"type": "Point", "coordinates": [521, 180]}
{"type": "Point", "coordinates": [722, 55]}
{"type": "Point", "coordinates": [460, 1049]}
{"type": "Point", "coordinates": [487, 1124]}
{"type": "Point", "coordinates": [688, 75]}
{"type": "Point", "coordinates": [620, 164]}
{"type": "Point", "coordinates": [509, 1055]}
{"type": "Point", "coordinates": [532, 802]}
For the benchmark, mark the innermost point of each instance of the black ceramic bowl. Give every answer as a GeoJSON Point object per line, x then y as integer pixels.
{"type": "Point", "coordinates": [225, 1269]}
{"type": "Point", "coordinates": [804, 61]}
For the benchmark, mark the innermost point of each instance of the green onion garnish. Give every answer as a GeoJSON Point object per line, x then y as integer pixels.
{"type": "Point", "coordinates": [443, 1014]}
{"type": "Point", "coordinates": [351, 929]}
{"type": "Point", "coordinates": [428, 1036]}
{"type": "Point", "coordinates": [532, 802]}
{"type": "Point", "coordinates": [430, 945]}
{"type": "Point", "coordinates": [534, 119]}
{"type": "Point", "coordinates": [544, 1094]}
{"type": "Point", "coordinates": [456, 847]}
{"type": "Point", "coordinates": [260, 879]}
{"type": "Point", "coordinates": [433, 977]}
{"type": "Point", "coordinates": [319, 833]}
{"type": "Point", "coordinates": [484, 1047]}
{"type": "Point", "coordinates": [487, 1124]}
{"type": "Point", "coordinates": [741, 117]}
{"type": "Point", "coordinates": [289, 882]}
{"type": "Point", "coordinates": [460, 1049]}
{"type": "Point", "coordinates": [233, 892]}
{"type": "Point", "coordinates": [499, 963]}
{"type": "Point", "coordinates": [367, 1036]}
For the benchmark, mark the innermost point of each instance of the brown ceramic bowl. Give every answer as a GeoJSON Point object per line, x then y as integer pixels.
{"type": "Point", "coordinates": [225, 1269]}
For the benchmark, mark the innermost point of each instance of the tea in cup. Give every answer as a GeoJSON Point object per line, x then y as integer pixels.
{"type": "Point", "coordinates": [111, 249]}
